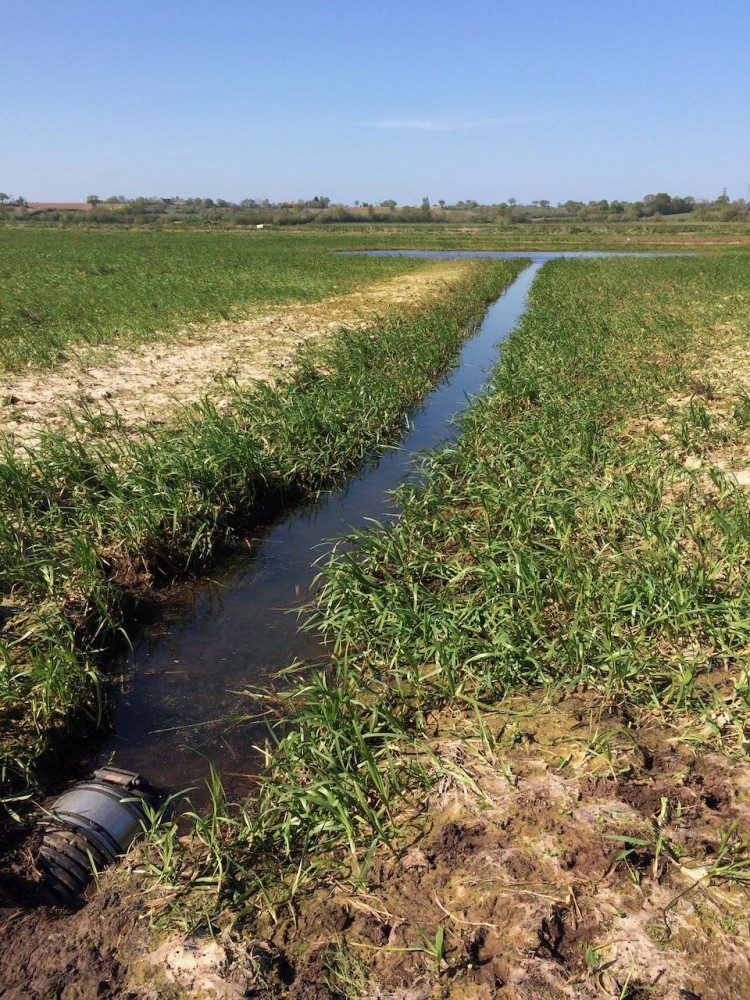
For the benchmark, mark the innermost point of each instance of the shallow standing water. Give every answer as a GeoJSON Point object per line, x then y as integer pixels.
{"type": "Point", "coordinates": [184, 677]}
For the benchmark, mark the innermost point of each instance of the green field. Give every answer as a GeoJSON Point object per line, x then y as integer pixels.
{"type": "Point", "coordinates": [542, 549]}
{"type": "Point", "coordinates": [583, 547]}
{"type": "Point", "coordinates": [63, 288]}
{"type": "Point", "coordinates": [66, 287]}
{"type": "Point", "coordinates": [83, 519]}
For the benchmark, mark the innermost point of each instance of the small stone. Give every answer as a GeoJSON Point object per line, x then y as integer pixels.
{"type": "Point", "coordinates": [415, 858]}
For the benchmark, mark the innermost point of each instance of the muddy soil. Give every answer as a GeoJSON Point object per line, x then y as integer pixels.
{"type": "Point", "coordinates": [522, 873]}
{"type": "Point", "coordinates": [148, 384]}
{"type": "Point", "coordinates": [514, 879]}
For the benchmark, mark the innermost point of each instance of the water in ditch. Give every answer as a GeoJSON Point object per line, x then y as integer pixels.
{"type": "Point", "coordinates": [182, 701]}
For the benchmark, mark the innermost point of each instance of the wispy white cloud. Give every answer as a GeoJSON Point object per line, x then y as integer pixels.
{"type": "Point", "coordinates": [450, 124]}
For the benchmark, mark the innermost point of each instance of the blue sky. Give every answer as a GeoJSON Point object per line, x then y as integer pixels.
{"type": "Point", "coordinates": [286, 99]}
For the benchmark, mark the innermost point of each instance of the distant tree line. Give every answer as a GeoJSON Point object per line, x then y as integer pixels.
{"type": "Point", "coordinates": [143, 211]}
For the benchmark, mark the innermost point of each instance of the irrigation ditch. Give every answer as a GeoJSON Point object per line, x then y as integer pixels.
{"type": "Point", "coordinates": [185, 697]}
{"type": "Point", "coordinates": [97, 515]}
{"type": "Point", "coordinates": [183, 702]}
{"type": "Point", "coordinates": [180, 699]}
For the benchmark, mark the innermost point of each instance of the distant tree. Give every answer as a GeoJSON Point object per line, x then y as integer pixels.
{"type": "Point", "coordinates": [665, 204]}
{"type": "Point", "coordinates": [92, 199]}
{"type": "Point", "coordinates": [208, 203]}
{"type": "Point", "coordinates": [512, 201]}
{"type": "Point", "coordinates": [21, 202]}
{"type": "Point", "coordinates": [661, 203]}
{"type": "Point", "coordinates": [4, 197]}
{"type": "Point", "coordinates": [573, 207]}
{"type": "Point", "coordinates": [543, 203]}
{"type": "Point", "coordinates": [389, 203]}
{"type": "Point", "coordinates": [729, 211]}
{"type": "Point", "coordinates": [679, 206]}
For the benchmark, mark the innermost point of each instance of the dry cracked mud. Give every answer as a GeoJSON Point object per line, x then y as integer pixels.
{"type": "Point", "coordinates": [147, 385]}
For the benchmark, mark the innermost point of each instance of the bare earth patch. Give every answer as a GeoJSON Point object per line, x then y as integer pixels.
{"type": "Point", "coordinates": [562, 855]}
{"type": "Point", "coordinates": [709, 426]}
{"type": "Point", "coordinates": [148, 384]}
{"type": "Point", "coordinates": [519, 866]}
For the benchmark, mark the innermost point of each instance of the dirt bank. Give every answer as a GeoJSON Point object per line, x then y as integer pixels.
{"type": "Point", "coordinates": [560, 855]}
{"type": "Point", "coordinates": [517, 887]}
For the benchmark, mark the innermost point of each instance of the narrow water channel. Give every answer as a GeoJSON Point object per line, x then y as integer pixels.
{"type": "Point", "coordinates": [183, 679]}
